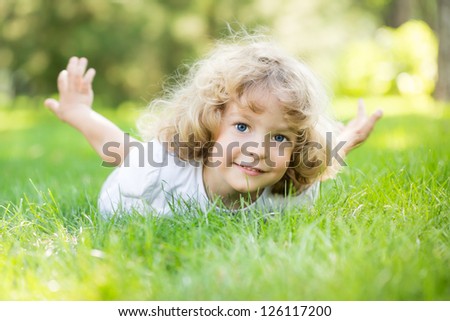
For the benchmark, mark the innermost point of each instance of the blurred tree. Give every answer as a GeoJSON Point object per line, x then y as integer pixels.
{"type": "Point", "coordinates": [133, 44]}
{"type": "Point", "coordinates": [399, 12]}
{"type": "Point", "coordinates": [390, 62]}
{"type": "Point", "coordinates": [394, 13]}
{"type": "Point", "coordinates": [43, 34]}
{"type": "Point", "coordinates": [443, 83]}
{"type": "Point", "coordinates": [436, 13]}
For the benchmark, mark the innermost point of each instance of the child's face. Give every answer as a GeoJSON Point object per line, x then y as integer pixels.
{"type": "Point", "coordinates": [252, 150]}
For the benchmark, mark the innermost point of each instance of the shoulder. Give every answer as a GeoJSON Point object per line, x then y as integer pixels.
{"type": "Point", "coordinates": [145, 154]}
{"type": "Point", "coordinates": [150, 164]}
{"type": "Point", "coordinates": [151, 175]}
{"type": "Point", "coordinates": [140, 168]}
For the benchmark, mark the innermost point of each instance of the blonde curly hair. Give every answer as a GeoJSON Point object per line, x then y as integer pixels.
{"type": "Point", "coordinates": [237, 70]}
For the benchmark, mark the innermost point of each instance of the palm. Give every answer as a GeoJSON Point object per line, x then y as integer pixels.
{"type": "Point", "coordinates": [75, 90]}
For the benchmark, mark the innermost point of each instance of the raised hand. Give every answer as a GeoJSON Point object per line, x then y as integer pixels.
{"type": "Point", "coordinates": [75, 91]}
{"type": "Point", "coordinates": [359, 128]}
{"type": "Point", "coordinates": [75, 108]}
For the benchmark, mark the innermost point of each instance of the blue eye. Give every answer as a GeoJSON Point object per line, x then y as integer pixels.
{"type": "Point", "coordinates": [279, 138]}
{"type": "Point", "coordinates": [241, 127]}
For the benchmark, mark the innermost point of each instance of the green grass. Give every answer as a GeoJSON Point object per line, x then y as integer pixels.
{"type": "Point", "coordinates": [380, 231]}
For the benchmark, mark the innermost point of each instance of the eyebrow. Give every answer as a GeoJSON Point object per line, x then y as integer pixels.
{"type": "Point", "coordinates": [237, 114]}
{"type": "Point", "coordinates": [283, 129]}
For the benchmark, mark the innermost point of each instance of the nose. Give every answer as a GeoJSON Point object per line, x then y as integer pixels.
{"type": "Point", "coordinates": [256, 149]}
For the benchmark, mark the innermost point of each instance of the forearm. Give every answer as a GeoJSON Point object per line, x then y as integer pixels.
{"type": "Point", "coordinates": [107, 139]}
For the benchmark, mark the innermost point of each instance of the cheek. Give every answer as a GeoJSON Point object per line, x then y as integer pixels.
{"type": "Point", "coordinates": [282, 157]}
{"type": "Point", "coordinates": [229, 146]}
{"type": "Point", "coordinates": [225, 151]}
{"type": "Point", "coordinates": [281, 152]}
{"type": "Point", "coordinates": [232, 151]}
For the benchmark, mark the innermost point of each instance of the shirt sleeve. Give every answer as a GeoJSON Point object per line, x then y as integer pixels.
{"type": "Point", "coordinates": [134, 184]}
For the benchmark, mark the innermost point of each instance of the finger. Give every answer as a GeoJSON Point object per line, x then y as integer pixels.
{"type": "Point", "coordinates": [361, 109]}
{"type": "Point", "coordinates": [79, 72]}
{"type": "Point", "coordinates": [87, 80]}
{"type": "Point", "coordinates": [82, 64]}
{"type": "Point", "coordinates": [378, 114]}
{"type": "Point", "coordinates": [52, 104]}
{"type": "Point", "coordinates": [62, 81]}
{"type": "Point", "coordinates": [370, 123]}
{"type": "Point", "coordinates": [89, 77]}
{"type": "Point", "coordinates": [74, 77]}
{"type": "Point", "coordinates": [72, 64]}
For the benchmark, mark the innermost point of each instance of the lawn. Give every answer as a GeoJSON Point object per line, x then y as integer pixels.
{"type": "Point", "coordinates": [380, 231]}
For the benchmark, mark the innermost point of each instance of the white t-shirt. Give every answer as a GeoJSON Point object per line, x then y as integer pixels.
{"type": "Point", "coordinates": [153, 180]}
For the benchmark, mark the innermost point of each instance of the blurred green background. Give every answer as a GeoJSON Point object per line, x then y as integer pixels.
{"type": "Point", "coordinates": [378, 232]}
{"type": "Point", "coordinates": [358, 47]}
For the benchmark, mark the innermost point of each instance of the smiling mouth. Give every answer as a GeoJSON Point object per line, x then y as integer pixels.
{"type": "Point", "coordinates": [251, 169]}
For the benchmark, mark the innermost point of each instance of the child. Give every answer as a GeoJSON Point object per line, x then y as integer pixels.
{"type": "Point", "coordinates": [247, 127]}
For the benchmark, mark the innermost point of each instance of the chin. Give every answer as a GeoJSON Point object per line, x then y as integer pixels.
{"type": "Point", "coordinates": [244, 189]}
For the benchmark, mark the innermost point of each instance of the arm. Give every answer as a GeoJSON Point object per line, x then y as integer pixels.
{"type": "Point", "coordinates": [75, 108]}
